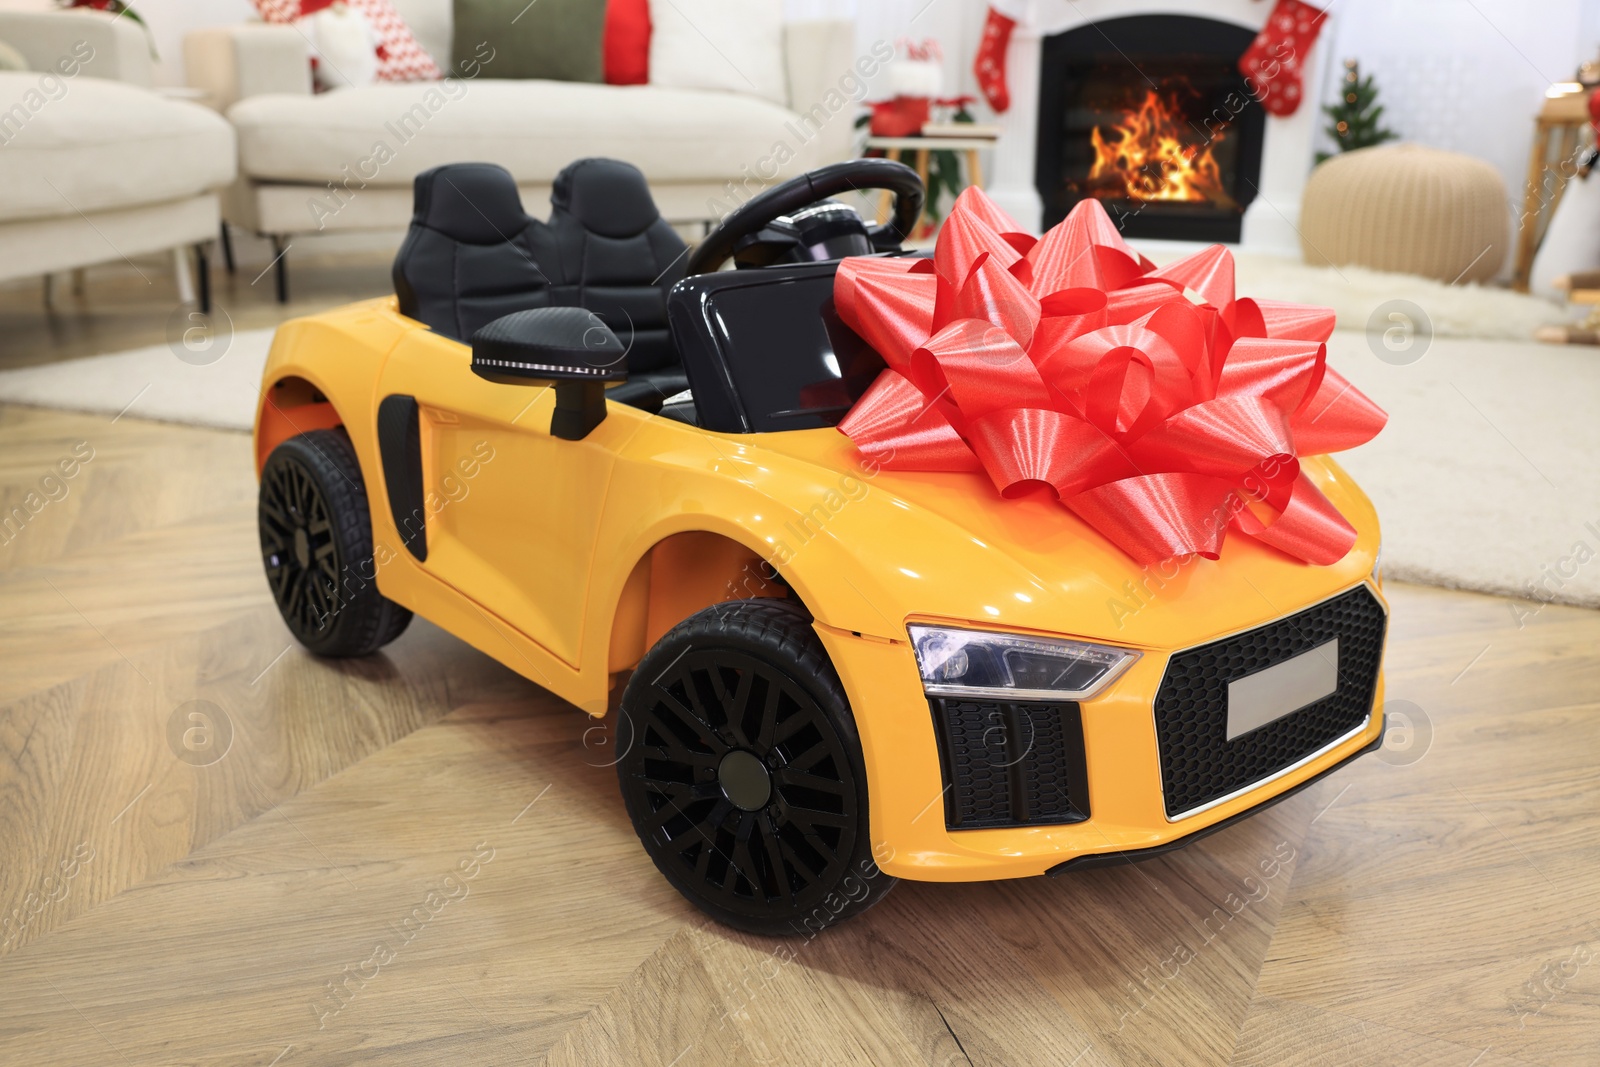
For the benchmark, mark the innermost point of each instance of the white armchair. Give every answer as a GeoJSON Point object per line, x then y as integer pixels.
{"type": "Point", "coordinates": [97, 167]}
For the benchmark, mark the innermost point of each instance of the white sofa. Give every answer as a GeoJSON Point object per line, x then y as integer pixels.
{"type": "Point", "coordinates": [95, 166]}
{"type": "Point", "coordinates": [311, 163]}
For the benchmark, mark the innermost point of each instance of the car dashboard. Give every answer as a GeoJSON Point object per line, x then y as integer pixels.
{"type": "Point", "coordinates": [765, 350]}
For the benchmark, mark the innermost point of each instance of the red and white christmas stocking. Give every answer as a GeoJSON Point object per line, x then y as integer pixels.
{"type": "Point", "coordinates": [990, 66]}
{"type": "Point", "coordinates": [1275, 60]}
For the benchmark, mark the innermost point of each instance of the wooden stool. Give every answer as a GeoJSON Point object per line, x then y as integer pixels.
{"type": "Point", "coordinates": [1564, 115]}
{"type": "Point", "coordinates": [921, 147]}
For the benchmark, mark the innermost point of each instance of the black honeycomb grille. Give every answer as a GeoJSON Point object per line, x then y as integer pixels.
{"type": "Point", "coordinates": [1199, 764]}
{"type": "Point", "coordinates": [1011, 764]}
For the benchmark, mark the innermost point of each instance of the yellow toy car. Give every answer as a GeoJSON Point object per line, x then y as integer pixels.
{"type": "Point", "coordinates": [598, 458]}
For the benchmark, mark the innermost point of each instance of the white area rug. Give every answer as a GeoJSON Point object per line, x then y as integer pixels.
{"type": "Point", "coordinates": [152, 383]}
{"type": "Point", "coordinates": [1487, 476]}
{"type": "Point", "coordinates": [1355, 293]}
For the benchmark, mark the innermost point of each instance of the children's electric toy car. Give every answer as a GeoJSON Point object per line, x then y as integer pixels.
{"type": "Point", "coordinates": [588, 452]}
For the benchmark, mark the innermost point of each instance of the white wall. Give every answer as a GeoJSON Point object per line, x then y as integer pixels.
{"type": "Point", "coordinates": [955, 24]}
{"type": "Point", "coordinates": [1466, 76]}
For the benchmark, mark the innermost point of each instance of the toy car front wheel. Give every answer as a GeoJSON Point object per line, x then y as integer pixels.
{"type": "Point", "coordinates": [316, 545]}
{"type": "Point", "coordinates": [742, 772]}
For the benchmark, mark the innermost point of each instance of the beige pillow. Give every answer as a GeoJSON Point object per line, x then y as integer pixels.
{"type": "Point", "coordinates": [733, 45]}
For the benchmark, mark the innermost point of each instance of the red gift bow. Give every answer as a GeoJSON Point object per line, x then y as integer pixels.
{"type": "Point", "coordinates": [1070, 361]}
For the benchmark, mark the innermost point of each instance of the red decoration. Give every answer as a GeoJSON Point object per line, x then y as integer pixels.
{"type": "Point", "coordinates": [1594, 110]}
{"type": "Point", "coordinates": [627, 42]}
{"type": "Point", "coordinates": [904, 116]}
{"type": "Point", "coordinates": [990, 65]}
{"type": "Point", "coordinates": [1069, 361]}
{"type": "Point", "coordinates": [1273, 63]}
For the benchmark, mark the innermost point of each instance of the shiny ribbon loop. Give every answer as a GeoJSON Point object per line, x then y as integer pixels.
{"type": "Point", "coordinates": [1160, 408]}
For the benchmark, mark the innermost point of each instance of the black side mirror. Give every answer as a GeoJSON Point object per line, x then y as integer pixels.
{"type": "Point", "coordinates": [567, 347]}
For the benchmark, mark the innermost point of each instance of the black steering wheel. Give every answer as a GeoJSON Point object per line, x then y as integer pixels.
{"type": "Point", "coordinates": [834, 179]}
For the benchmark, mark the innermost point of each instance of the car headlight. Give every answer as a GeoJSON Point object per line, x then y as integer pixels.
{"type": "Point", "coordinates": [976, 663]}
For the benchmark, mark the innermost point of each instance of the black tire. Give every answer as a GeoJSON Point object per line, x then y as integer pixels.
{"type": "Point", "coordinates": [735, 695]}
{"type": "Point", "coordinates": [316, 545]}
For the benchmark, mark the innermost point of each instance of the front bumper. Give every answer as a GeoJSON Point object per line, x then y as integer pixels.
{"type": "Point", "coordinates": [1115, 859]}
{"type": "Point", "coordinates": [1127, 810]}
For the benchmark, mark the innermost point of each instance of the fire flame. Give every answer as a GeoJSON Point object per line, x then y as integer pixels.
{"type": "Point", "coordinates": [1145, 157]}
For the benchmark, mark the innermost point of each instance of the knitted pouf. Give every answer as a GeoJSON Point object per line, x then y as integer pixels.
{"type": "Point", "coordinates": [1409, 209]}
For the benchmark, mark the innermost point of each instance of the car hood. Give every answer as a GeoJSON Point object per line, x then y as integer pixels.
{"type": "Point", "coordinates": [948, 546]}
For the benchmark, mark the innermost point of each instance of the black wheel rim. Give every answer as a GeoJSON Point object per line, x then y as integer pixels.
{"type": "Point", "coordinates": [298, 548]}
{"type": "Point", "coordinates": [781, 857]}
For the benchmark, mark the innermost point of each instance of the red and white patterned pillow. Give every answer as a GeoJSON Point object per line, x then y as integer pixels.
{"type": "Point", "coordinates": [400, 57]}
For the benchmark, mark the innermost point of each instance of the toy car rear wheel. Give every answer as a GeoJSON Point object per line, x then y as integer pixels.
{"type": "Point", "coordinates": [316, 545]}
{"type": "Point", "coordinates": [742, 771]}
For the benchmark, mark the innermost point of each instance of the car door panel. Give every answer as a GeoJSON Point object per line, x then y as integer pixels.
{"type": "Point", "coordinates": [509, 512]}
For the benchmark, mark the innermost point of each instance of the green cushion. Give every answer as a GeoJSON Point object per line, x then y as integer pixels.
{"type": "Point", "coordinates": [11, 59]}
{"type": "Point", "coordinates": [555, 39]}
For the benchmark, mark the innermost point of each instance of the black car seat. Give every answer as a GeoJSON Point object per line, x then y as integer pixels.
{"type": "Point", "coordinates": [616, 256]}
{"type": "Point", "coordinates": [472, 254]}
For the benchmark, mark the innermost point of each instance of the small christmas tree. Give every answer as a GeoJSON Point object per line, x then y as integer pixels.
{"type": "Point", "coordinates": [1356, 116]}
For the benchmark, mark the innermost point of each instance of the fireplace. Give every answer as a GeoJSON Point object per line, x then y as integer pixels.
{"type": "Point", "coordinates": [1284, 147]}
{"type": "Point", "coordinates": [1149, 115]}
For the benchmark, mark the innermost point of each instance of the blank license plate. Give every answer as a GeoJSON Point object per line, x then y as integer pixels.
{"type": "Point", "coordinates": [1269, 695]}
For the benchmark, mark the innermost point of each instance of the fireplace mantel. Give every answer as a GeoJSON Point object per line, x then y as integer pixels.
{"type": "Point", "coordinates": [1270, 223]}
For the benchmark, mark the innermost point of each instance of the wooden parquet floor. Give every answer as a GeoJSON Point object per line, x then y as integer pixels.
{"type": "Point", "coordinates": [421, 858]}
